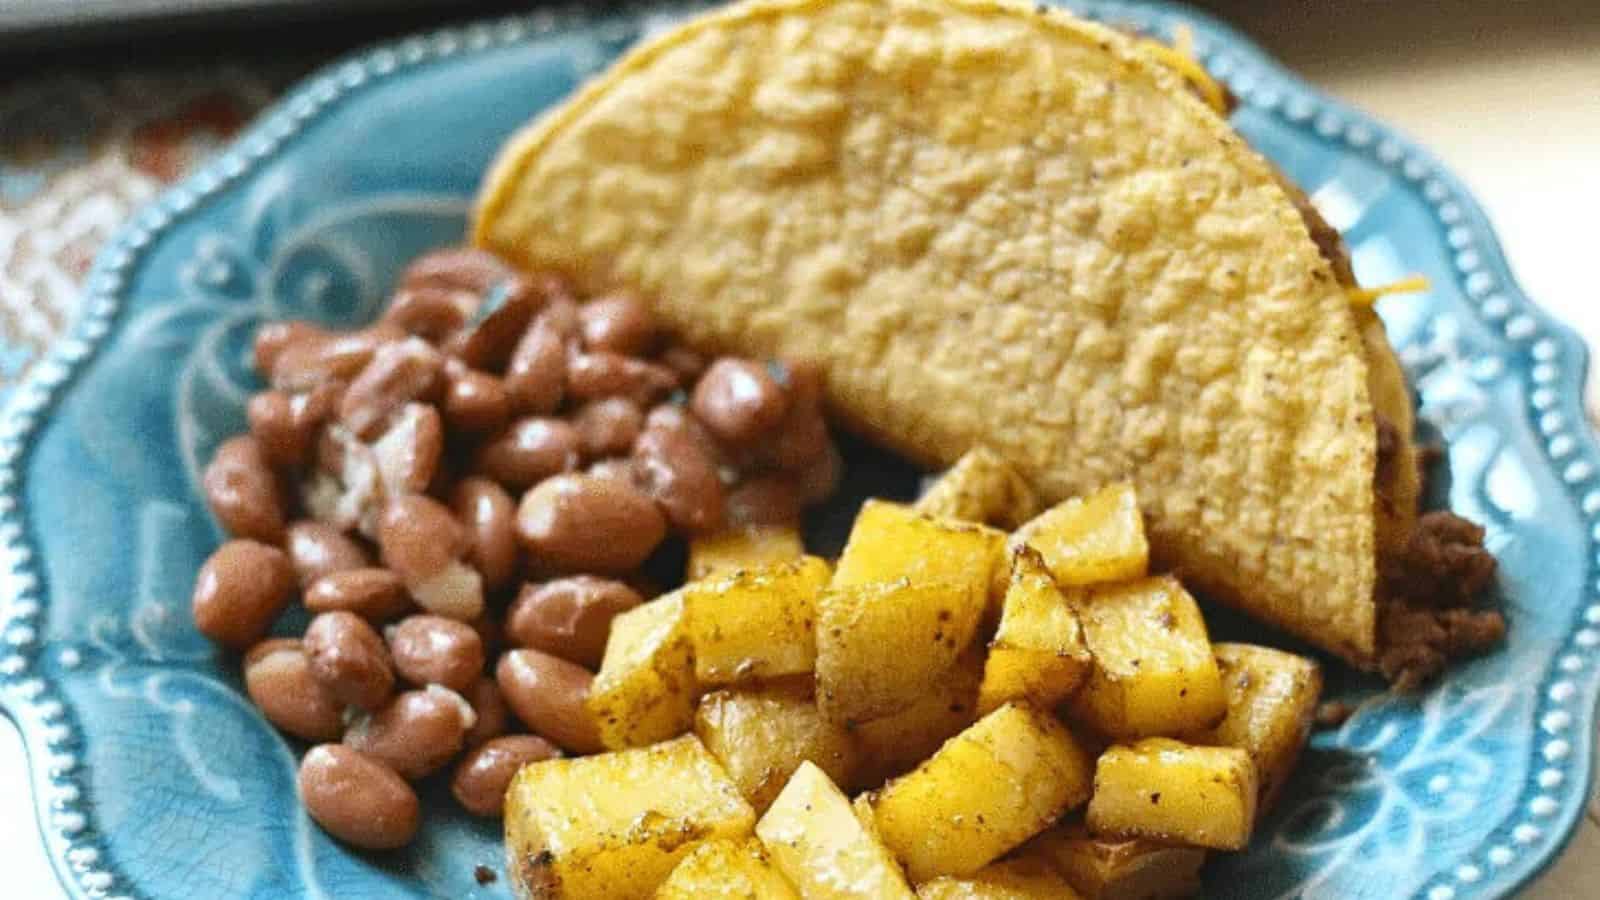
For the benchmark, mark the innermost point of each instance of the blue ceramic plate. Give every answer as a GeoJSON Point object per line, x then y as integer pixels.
{"type": "Point", "coordinates": [154, 778]}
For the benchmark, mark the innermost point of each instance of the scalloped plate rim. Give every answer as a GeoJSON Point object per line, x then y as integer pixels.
{"type": "Point", "coordinates": [99, 316]}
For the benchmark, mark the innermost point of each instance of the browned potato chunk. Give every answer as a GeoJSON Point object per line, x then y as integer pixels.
{"type": "Point", "coordinates": [763, 735]}
{"type": "Point", "coordinates": [727, 870]}
{"type": "Point", "coordinates": [896, 744]}
{"type": "Point", "coordinates": [646, 688]}
{"type": "Point", "coordinates": [1272, 699]}
{"type": "Point", "coordinates": [981, 487]}
{"type": "Point", "coordinates": [612, 826]}
{"type": "Point", "coordinates": [987, 790]}
{"type": "Point", "coordinates": [755, 624]}
{"type": "Point", "coordinates": [882, 647]}
{"type": "Point", "coordinates": [890, 542]}
{"type": "Point", "coordinates": [1093, 539]}
{"type": "Point", "coordinates": [1171, 791]}
{"type": "Point", "coordinates": [1038, 654]}
{"type": "Point", "coordinates": [1016, 879]}
{"type": "Point", "coordinates": [1154, 672]}
{"type": "Point", "coordinates": [906, 600]}
{"type": "Point", "coordinates": [813, 835]}
{"type": "Point", "coordinates": [1135, 869]}
{"type": "Point", "coordinates": [742, 548]}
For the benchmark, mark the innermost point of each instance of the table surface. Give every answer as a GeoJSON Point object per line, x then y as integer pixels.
{"type": "Point", "coordinates": [1507, 94]}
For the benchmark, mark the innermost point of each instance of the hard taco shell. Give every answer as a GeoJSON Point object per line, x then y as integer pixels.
{"type": "Point", "coordinates": [993, 224]}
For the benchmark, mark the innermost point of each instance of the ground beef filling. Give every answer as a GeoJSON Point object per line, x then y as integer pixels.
{"type": "Point", "coordinates": [1428, 612]}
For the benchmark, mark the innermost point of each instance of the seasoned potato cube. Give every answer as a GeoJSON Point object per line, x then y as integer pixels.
{"type": "Point", "coordinates": [1093, 539]}
{"type": "Point", "coordinates": [1038, 654]}
{"type": "Point", "coordinates": [755, 624]}
{"type": "Point", "coordinates": [814, 837]}
{"type": "Point", "coordinates": [727, 870]}
{"type": "Point", "coordinates": [862, 806]}
{"type": "Point", "coordinates": [612, 826]}
{"type": "Point", "coordinates": [883, 647]}
{"type": "Point", "coordinates": [987, 790]}
{"type": "Point", "coordinates": [889, 542]}
{"type": "Point", "coordinates": [1154, 673]}
{"type": "Point", "coordinates": [1133, 869]}
{"type": "Point", "coordinates": [1272, 698]}
{"type": "Point", "coordinates": [896, 744]}
{"type": "Point", "coordinates": [1167, 790]}
{"type": "Point", "coordinates": [1016, 879]}
{"type": "Point", "coordinates": [762, 736]}
{"type": "Point", "coordinates": [742, 548]}
{"type": "Point", "coordinates": [646, 689]}
{"type": "Point", "coordinates": [981, 487]}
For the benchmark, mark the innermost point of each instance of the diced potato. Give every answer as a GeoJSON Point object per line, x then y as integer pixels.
{"type": "Point", "coordinates": [1093, 539]}
{"type": "Point", "coordinates": [1016, 879]}
{"type": "Point", "coordinates": [981, 487]}
{"type": "Point", "coordinates": [883, 647]}
{"type": "Point", "coordinates": [889, 542]}
{"type": "Point", "coordinates": [1133, 869]}
{"type": "Point", "coordinates": [987, 790]}
{"type": "Point", "coordinates": [862, 806]}
{"type": "Point", "coordinates": [815, 839]}
{"type": "Point", "coordinates": [646, 688]}
{"type": "Point", "coordinates": [1038, 654]}
{"type": "Point", "coordinates": [727, 870]}
{"type": "Point", "coordinates": [755, 624]}
{"type": "Point", "coordinates": [1167, 790]}
{"type": "Point", "coordinates": [762, 736]}
{"type": "Point", "coordinates": [612, 826]}
{"type": "Point", "coordinates": [742, 548]}
{"type": "Point", "coordinates": [1272, 699]}
{"type": "Point", "coordinates": [896, 744]}
{"type": "Point", "coordinates": [1154, 672]}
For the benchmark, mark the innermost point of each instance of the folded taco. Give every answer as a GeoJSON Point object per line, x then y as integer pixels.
{"type": "Point", "coordinates": [995, 223]}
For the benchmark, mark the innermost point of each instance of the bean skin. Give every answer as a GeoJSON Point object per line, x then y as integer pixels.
{"type": "Point", "coordinates": [350, 659]}
{"type": "Point", "coordinates": [739, 400]}
{"type": "Point", "coordinates": [241, 590]}
{"type": "Point", "coordinates": [277, 676]}
{"type": "Point", "coordinates": [536, 376]}
{"type": "Point", "coordinates": [489, 515]}
{"type": "Point", "coordinates": [581, 523]}
{"type": "Point", "coordinates": [434, 650]}
{"type": "Point", "coordinates": [671, 468]}
{"type": "Point", "coordinates": [474, 401]}
{"type": "Point", "coordinates": [374, 594]}
{"type": "Point", "coordinates": [242, 491]}
{"type": "Point", "coordinates": [530, 451]}
{"type": "Point", "coordinates": [764, 500]}
{"type": "Point", "coordinates": [272, 338]}
{"type": "Point", "coordinates": [569, 617]}
{"type": "Point", "coordinates": [399, 373]}
{"type": "Point", "coordinates": [419, 538]}
{"type": "Point", "coordinates": [357, 799]}
{"type": "Point", "coordinates": [493, 718]}
{"type": "Point", "coordinates": [482, 777]}
{"type": "Point", "coordinates": [415, 734]}
{"type": "Point", "coordinates": [608, 427]}
{"type": "Point", "coordinates": [548, 693]}
{"type": "Point", "coordinates": [620, 323]}
{"type": "Point", "coordinates": [316, 549]}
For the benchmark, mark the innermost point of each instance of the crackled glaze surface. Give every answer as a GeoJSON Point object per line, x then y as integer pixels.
{"type": "Point", "coordinates": [155, 779]}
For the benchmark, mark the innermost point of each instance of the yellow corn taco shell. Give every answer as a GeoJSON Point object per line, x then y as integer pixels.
{"type": "Point", "coordinates": [998, 225]}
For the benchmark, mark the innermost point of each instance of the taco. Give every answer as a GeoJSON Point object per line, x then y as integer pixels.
{"type": "Point", "coordinates": [997, 224]}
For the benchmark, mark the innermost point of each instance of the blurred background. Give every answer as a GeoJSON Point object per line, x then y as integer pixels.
{"type": "Point", "coordinates": [104, 102]}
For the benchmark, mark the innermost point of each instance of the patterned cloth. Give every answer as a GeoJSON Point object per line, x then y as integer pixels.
{"type": "Point", "coordinates": [78, 154]}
